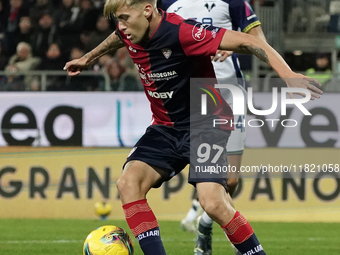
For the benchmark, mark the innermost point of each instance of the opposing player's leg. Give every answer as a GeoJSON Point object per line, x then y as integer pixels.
{"type": "Point", "coordinates": [215, 202]}
{"type": "Point", "coordinates": [189, 222]}
{"type": "Point", "coordinates": [236, 141]}
{"type": "Point", "coordinates": [133, 185]}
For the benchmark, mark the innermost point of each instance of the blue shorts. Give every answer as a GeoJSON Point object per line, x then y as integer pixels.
{"type": "Point", "coordinates": [167, 150]}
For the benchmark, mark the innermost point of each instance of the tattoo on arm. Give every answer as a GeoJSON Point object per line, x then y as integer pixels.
{"type": "Point", "coordinates": [259, 52]}
{"type": "Point", "coordinates": [111, 43]}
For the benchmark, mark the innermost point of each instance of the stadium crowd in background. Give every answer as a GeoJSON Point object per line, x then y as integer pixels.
{"type": "Point", "coordinates": [79, 23]}
{"type": "Point", "coordinates": [52, 32]}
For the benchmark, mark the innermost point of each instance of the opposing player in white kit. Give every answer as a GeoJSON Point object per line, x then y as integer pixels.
{"type": "Point", "coordinates": [232, 15]}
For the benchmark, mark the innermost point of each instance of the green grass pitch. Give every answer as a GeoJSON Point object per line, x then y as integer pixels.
{"type": "Point", "coordinates": [65, 237]}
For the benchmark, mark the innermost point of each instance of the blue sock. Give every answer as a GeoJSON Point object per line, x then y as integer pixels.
{"type": "Point", "coordinates": [250, 246]}
{"type": "Point", "coordinates": [151, 243]}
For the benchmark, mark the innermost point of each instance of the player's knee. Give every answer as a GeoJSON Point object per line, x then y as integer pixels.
{"type": "Point", "coordinates": [126, 186]}
{"type": "Point", "coordinates": [210, 206]}
{"type": "Point", "coordinates": [122, 185]}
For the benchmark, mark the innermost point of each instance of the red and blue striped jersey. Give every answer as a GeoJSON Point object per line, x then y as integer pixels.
{"type": "Point", "coordinates": [177, 51]}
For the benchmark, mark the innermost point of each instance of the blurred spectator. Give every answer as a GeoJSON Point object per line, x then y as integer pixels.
{"type": "Point", "coordinates": [76, 52]}
{"type": "Point", "coordinates": [53, 60]}
{"type": "Point", "coordinates": [3, 59]}
{"type": "Point", "coordinates": [80, 82]}
{"type": "Point", "coordinates": [322, 69]}
{"type": "Point", "coordinates": [120, 80]}
{"type": "Point", "coordinates": [12, 82]}
{"type": "Point", "coordinates": [305, 15]}
{"type": "Point", "coordinates": [24, 61]}
{"type": "Point", "coordinates": [40, 7]}
{"type": "Point", "coordinates": [12, 17]}
{"type": "Point", "coordinates": [99, 4]}
{"type": "Point", "coordinates": [334, 17]}
{"type": "Point", "coordinates": [100, 66]}
{"type": "Point", "coordinates": [69, 23]}
{"type": "Point", "coordinates": [55, 3]}
{"type": "Point", "coordinates": [3, 21]}
{"type": "Point", "coordinates": [44, 35]}
{"type": "Point", "coordinates": [90, 15]}
{"type": "Point", "coordinates": [23, 58]}
{"type": "Point", "coordinates": [84, 38]}
{"type": "Point", "coordinates": [16, 10]}
{"type": "Point", "coordinates": [126, 61]}
{"type": "Point", "coordinates": [101, 32]}
{"type": "Point", "coordinates": [25, 33]}
{"type": "Point", "coordinates": [102, 62]}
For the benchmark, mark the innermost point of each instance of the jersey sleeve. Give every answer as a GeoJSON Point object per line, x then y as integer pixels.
{"type": "Point", "coordinates": [199, 39]}
{"type": "Point", "coordinates": [242, 15]}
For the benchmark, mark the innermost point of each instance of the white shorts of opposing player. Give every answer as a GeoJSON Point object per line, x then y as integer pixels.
{"type": "Point", "coordinates": [237, 138]}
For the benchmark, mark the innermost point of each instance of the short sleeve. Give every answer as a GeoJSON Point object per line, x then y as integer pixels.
{"type": "Point", "coordinates": [199, 39]}
{"type": "Point", "coordinates": [242, 15]}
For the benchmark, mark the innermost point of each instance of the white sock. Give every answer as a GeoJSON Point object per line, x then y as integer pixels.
{"type": "Point", "coordinates": [192, 214]}
{"type": "Point", "coordinates": [206, 219]}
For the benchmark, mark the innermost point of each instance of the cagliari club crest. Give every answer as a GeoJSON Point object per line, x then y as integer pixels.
{"type": "Point", "coordinates": [167, 53]}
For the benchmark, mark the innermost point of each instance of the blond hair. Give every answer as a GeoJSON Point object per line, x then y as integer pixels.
{"type": "Point", "coordinates": [111, 6]}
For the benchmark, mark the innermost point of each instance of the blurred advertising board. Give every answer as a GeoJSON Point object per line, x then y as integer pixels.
{"type": "Point", "coordinates": [117, 119]}
{"type": "Point", "coordinates": [67, 182]}
{"type": "Point", "coordinates": [106, 119]}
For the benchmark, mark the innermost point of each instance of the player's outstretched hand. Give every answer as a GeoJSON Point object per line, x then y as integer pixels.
{"type": "Point", "coordinates": [301, 81]}
{"type": "Point", "coordinates": [75, 66]}
{"type": "Point", "coordinates": [221, 55]}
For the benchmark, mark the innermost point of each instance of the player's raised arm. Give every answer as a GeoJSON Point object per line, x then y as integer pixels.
{"type": "Point", "coordinates": [249, 44]}
{"type": "Point", "coordinates": [222, 55]}
{"type": "Point", "coordinates": [258, 32]}
{"type": "Point", "coordinates": [111, 43]}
